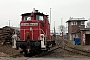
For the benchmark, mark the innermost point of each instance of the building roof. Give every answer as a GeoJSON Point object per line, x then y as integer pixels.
{"type": "Point", "coordinates": [85, 29]}
{"type": "Point", "coordinates": [76, 19]}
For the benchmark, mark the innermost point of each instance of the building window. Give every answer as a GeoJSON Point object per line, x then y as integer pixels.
{"type": "Point", "coordinates": [74, 23]}
{"type": "Point", "coordinates": [82, 23]}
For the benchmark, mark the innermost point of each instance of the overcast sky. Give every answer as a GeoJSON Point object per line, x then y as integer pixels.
{"type": "Point", "coordinates": [12, 9]}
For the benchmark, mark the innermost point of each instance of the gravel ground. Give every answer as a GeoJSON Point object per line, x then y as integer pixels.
{"type": "Point", "coordinates": [58, 59]}
{"type": "Point", "coordinates": [10, 58]}
{"type": "Point", "coordinates": [58, 54]}
{"type": "Point", "coordinates": [7, 51]}
{"type": "Point", "coordinates": [3, 58]}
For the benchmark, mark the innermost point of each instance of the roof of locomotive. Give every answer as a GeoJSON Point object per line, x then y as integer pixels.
{"type": "Point", "coordinates": [36, 13]}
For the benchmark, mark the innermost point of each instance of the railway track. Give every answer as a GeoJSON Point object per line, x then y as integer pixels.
{"type": "Point", "coordinates": [44, 53]}
{"type": "Point", "coordinates": [67, 48]}
{"type": "Point", "coordinates": [77, 51]}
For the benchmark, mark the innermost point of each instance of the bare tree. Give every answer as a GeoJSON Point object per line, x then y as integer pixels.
{"type": "Point", "coordinates": [62, 28]}
{"type": "Point", "coordinates": [88, 23]}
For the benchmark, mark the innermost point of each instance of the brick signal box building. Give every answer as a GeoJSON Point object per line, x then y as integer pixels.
{"type": "Point", "coordinates": [74, 26]}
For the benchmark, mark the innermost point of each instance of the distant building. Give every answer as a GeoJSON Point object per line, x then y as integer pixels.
{"type": "Point", "coordinates": [74, 25]}
{"type": "Point", "coordinates": [85, 36]}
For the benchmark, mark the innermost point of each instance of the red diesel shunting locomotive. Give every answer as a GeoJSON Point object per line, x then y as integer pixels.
{"type": "Point", "coordinates": [34, 32]}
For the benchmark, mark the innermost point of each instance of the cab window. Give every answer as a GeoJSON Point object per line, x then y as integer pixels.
{"type": "Point", "coordinates": [38, 17]}
{"type": "Point", "coordinates": [27, 17]}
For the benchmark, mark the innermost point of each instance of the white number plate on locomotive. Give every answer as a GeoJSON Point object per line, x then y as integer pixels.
{"type": "Point", "coordinates": [29, 24]}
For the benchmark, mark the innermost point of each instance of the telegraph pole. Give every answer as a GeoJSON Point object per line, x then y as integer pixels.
{"type": "Point", "coordinates": [9, 23]}
{"type": "Point", "coordinates": [62, 28]}
{"type": "Point", "coordinates": [50, 20]}
{"type": "Point", "coordinates": [54, 34]}
{"type": "Point", "coordinates": [50, 16]}
{"type": "Point", "coordinates": [54, 27]}
{"type": "Point", "coordinates": [54, 23]}
{"type": "Point", "coordinates": [61, 21]}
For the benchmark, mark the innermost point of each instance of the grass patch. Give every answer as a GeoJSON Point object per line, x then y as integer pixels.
{"type": "Point", "coordinates": [70, 42]}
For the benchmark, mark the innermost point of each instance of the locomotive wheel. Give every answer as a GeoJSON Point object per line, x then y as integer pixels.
{"type": "Point", "coordinates": [53, 43]}
{"type": "Point", "coordinates": [25, 53]}
{"type": "Point", "coordinates": [45, 50]}
{"type": "Point", "coordinates": [21, 52]}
